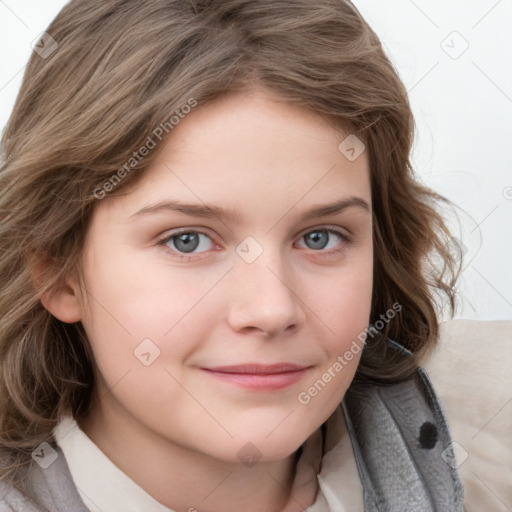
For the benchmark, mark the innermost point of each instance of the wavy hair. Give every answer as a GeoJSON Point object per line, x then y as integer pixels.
{"type": "Point", "coordinates": [120, 68]}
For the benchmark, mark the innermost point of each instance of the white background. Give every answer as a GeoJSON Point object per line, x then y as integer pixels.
{"type": "Point", "coordinates": [462, 101]}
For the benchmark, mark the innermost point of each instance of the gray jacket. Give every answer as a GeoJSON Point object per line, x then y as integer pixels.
{"type": "Point", "coordinates": [400, 438]}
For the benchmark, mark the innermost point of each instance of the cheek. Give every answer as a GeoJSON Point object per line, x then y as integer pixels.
{"type": "Point", "coordinates": [346, 312]}
{"type": "Point", "coordinates": [143, 297]}
{"type": "Point", "coordinates": [138, 309]}
{"type": "Point", "coordinates": [342, 302]}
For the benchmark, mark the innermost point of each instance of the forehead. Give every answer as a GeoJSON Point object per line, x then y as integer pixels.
{"type": "Point", "coordinates": [253, 152]}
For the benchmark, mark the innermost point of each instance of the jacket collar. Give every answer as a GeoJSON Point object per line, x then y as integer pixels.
{"type": "Point", "coordinates": [403, 448]}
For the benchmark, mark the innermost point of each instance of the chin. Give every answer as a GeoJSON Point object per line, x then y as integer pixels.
{"type": "Point", "coordinates": [271, 448]}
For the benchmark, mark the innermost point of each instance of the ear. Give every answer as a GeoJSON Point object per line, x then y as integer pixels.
{"type": "Point", "coordinates": [63, 299]}
{"type": "Point", "coordinates": [63, 303]}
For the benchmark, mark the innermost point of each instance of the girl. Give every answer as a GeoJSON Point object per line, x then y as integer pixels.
{"type": "Point", "coordinates": [219, 273]}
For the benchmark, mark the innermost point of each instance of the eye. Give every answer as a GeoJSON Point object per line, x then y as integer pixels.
{"type": "Point", "coordinates": [187, 242]}
{"type": "Point", "coordinates": [324, 240]}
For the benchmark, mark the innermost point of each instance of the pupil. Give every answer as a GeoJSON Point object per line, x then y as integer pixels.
{"type": "Point", "coordinates": [316, 238]}
{"type": "Point", "coordinates": [187, 242]}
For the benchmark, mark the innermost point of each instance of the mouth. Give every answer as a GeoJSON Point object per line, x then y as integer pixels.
{"type": "Point", "coordinates": [259, 377]}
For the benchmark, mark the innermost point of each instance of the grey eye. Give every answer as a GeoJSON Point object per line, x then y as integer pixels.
{"type": "Point", "coordinates": [188, 242]}
{"type": "Point", "coordinates": [321, 238]}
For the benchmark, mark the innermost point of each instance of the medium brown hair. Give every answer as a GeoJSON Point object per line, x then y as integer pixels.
{"type": "Point", "coordinates": [123, 68]}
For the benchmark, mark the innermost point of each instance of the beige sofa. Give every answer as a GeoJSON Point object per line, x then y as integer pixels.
{"type": "Point", "coordinates": [472, 373]}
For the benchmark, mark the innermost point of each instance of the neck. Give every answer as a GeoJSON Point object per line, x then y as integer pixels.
{"type": "Point", "coordinates": [186, 480]}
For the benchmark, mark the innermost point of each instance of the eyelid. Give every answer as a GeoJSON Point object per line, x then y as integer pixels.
{"type": "Point", "coordinates": [180, 231]}
{"type": "Point", "coordinates": [325, 227]}
{"type": "Point", "coordinates": [346, 238]}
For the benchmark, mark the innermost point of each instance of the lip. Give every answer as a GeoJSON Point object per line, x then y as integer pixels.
{"type": "Point", "coordinates": [259, 377]}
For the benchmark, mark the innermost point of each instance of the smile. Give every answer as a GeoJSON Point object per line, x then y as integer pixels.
{"type": "Point", "coordinates": [259, 377]}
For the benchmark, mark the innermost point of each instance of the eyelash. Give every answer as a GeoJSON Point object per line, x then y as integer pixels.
{"type": "Point", "coordinates": [346, 241]}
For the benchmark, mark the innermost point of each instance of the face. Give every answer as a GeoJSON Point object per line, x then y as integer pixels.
{"type": "Point", "coordinates": [211, 323]}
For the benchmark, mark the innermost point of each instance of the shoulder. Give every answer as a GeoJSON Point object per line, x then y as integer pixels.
{"type": "Point", "coordinates": [50, 481]}
{"type": "Point", "coordinates": [470, 370]}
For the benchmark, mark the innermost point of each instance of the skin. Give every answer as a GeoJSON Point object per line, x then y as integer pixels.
{"type": "Point", "coordinates": [170, 426]}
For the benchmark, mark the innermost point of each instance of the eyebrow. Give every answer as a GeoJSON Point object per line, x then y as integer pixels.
{"type": "Point", "coordinates": [233, 216]}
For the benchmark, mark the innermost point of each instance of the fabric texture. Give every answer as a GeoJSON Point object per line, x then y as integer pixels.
{"type": "Point", "coordinates": [403, 447]}
{"type": "Point", "coordinates": [53, 486]}
{"type": "Point", "coordinates": [472, 373]}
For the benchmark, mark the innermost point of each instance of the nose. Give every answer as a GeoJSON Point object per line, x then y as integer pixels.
{"type": "Point", "coordinates": [265, 299]}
